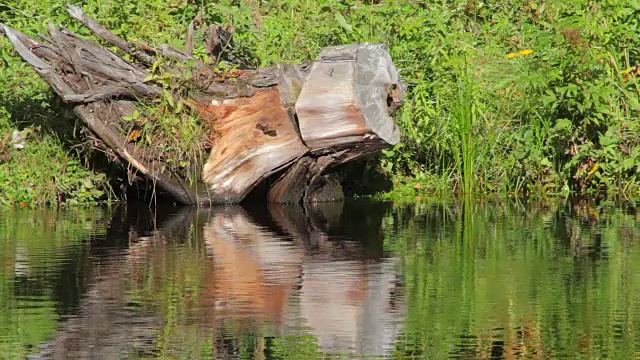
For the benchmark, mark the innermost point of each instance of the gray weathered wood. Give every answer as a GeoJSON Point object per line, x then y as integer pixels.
{"type": "Point", "coordinates": [344, 113]}
{"type": "Point", "coordinates": [96, 114]}
{"type": "Point", "coordinates": [349, 97]}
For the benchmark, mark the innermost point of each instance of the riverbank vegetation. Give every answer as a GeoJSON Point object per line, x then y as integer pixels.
{"type": "Point", "coordinates": [533, 98]}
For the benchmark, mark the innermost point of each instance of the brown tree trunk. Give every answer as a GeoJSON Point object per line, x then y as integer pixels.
{"type": "Point", "coordinates": [259, 122]}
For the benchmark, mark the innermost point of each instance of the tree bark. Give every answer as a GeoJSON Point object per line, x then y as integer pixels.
{"type": "Point", "coordinates": [259, 122]}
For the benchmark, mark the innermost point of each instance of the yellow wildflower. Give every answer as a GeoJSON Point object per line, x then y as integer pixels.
{"type": "Point", "coordinates": [525, 52]}
{"type": "Point", "coordinates": [593, 169]}
{"type": "Point", "coordinates": [511, 55]}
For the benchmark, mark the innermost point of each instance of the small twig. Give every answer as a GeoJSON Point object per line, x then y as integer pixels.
{"type": "Point", "coordinates": [77, 13]}
{"type": "Point", "coordinates": [224, 48]}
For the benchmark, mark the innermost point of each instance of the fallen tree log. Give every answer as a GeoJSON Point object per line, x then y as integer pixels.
{"type": "Point", "coordinates": [205, 136]}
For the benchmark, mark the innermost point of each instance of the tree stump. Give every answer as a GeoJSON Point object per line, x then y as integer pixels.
{"type": "Point", "coordinates": [294, 120]}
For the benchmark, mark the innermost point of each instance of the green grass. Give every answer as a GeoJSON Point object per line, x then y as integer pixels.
{"type": "Point", "coordinates": [464, 116]}
{"type": "Point", "coordinates": [44, 172]}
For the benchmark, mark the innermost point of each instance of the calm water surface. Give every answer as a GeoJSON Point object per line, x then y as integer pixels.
{"type": "Point", "coordinates": [355, 280]}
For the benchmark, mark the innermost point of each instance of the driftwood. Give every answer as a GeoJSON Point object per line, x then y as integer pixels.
{"type": "Point", "coordinates": [297, 121]}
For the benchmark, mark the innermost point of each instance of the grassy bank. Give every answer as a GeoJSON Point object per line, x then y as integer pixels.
{"type": "Point", "coordinates": [57, 164]}
{"type": "Point", "coordinates": [522, 97]}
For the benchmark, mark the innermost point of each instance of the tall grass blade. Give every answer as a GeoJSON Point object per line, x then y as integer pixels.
{"type": "Point", "coordinates": [464, 118]}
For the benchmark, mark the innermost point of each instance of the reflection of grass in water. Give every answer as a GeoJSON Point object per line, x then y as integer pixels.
{"type": "Point", "coordinates": [303, 346]}
{"type": "Point", "coordinates": [547, 282]}
{"type": "Point", "coordinates": [169, 283]}
{"type": "Point", "coordinates": [34, 245]}
{"type": "Point", "coordinates": [24, 322]}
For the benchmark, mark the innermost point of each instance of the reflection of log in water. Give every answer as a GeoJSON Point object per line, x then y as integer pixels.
{"type": "Point", "coordinates": [305, 278]}
{"type": "Point", "coordinates": [349, 306]}
{"type": "Point", "coordinates": [349, 294]}
{"type": "Point", "coordinates": [253, 272]}
{"type": "Point", "coordinates": [347, 297]}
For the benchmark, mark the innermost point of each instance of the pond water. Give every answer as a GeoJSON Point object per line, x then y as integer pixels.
{"type": "Point", "coordinates": [476, 280]}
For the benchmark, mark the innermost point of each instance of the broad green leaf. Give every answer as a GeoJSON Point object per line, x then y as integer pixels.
{"type": "Point", "coordinates": [343, 22]}
{"type": "Point", "coordinates": [168, 97]}
{"type": "Point", "coordinates": [563, 124]}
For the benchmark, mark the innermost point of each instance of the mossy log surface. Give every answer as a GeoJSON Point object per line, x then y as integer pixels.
{"type": "Point", "coordinates": [291, 121]}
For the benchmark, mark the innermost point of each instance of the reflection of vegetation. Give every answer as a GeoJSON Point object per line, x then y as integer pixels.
{"type": "Point", "coordinates": [34, 249]}
{"type": "Point", "coordinates": [294, 347]}
{"type": "Point", "coordinates": [487, 280]}
{"type": "Point", "coordinates": [166, 273]}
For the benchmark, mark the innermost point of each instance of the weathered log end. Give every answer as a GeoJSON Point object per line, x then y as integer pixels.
{"type": "Point", "coordinates": [253, 135]}
{"type": "Point", "coordinates": [344, 112]}
{"type": "Point", "coordinates": [349, 97]}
